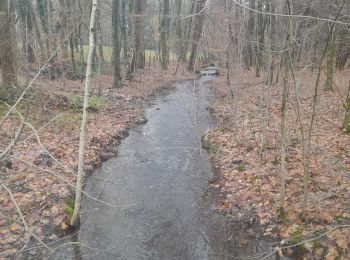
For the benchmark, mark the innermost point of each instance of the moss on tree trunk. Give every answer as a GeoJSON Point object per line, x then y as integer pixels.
{"type": "Point", "coordinates": [330, 62]}
{"type": "Point", "coordinates": [8, 88]}
{"type": "Point", "coordinates": [346, 124]}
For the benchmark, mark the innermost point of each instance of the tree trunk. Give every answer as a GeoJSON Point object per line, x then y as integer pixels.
{"type": "Point", "coordinates": [27, 27]}
{"type": "Point", "coordinates": [197, 34]}
{"type": "Point", "coordinates": [123, 34]}
{"type": "Point", "coordinates": [138, 57]}
{"type": "Point", "coordinates": [343, 53]}
{"type": "Point", "coordinates": [116, 45]}
{"type": "Point", "coordinates": [164, 28]}
{"type": "Point", "coordinates": [178, 27]}
{"type": "Point", "coordinates": [70, 28]}
{"type": "Point", "coordinates": [330, 61]}
{"type": "Point", "coordinates": [187, 32]}
{"type": "Point", "coordinates": [101, 57]}
{"type": "Point", "coordinates": [283, 130]}
{"type": "Point", "coordinates": [80, 178]}
{"type": "Point", "coordinates": [248, 49]}
{"type": "Point", "coordinates": [7, 51]}
{"type": "Point", "coordinates": [346, 124]}
{"type": "Point", "coordinates": [63, 28]}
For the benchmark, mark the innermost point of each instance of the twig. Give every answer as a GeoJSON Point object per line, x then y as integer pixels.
{"type": "Point", "coordinates": [17, 135]}
{"type": "Point", "coordinates": [27, 228]}
{"type": "Point", "coordinates": [72, 185]}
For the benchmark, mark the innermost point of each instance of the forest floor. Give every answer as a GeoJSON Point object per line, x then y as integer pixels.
{"type": "Point", "coordinates": [245, 147]}
{"type": "Point", "coordinates": [41, 169]}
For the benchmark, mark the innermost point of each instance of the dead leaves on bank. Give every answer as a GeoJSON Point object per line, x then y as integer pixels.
{"type": "Point", "coordinates": [250, 136]}
{"type": "Point", "coordinates": [40, 185]}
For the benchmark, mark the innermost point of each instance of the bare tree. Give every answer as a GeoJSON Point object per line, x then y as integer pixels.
{"type": "Point", "coordinates": [286, 65]}
{"type": "Point", "coordinates": [81, 174]}
{"type": "Point", "coordinates": [164, 33]}
{"type": "Point", "coordinates": [7, 50]}
{"type": "Point", "coordinates": [197, 34]}
{"type": "Point", "coordinates": [116, 44]}
{"type": "Point", "coordinates": [346, 124]}
{"type": "Point", "coordinates": [138, 56]}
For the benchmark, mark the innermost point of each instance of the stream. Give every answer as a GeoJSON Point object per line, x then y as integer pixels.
{"type": "Point", "coordinates": [160, 179]}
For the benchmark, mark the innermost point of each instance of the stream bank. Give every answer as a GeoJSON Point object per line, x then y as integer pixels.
{"type": "Point", "coordinates": [160, 181]}
{"type": "Point", "coordinates": [40, 185]}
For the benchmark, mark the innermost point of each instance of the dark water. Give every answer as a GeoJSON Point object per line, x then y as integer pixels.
{"type": "Point", "coordinates": [162, 170]}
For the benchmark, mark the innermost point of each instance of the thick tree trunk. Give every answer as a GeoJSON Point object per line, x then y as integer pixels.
{"type": "Point", "coordinates": [260, 35]}
{"type": "Point", "coordinates": [197, 34]}
{"type": "Point", "coordinates": [248, 49]}
{"type": "Point", "coordinates": [116, 44]}
{"type": "Point", "coordinates": [63, 29]}
{"type": "Point", "coordinates": [138, 57]}
{"type": "Point", "coordinates": [187, 32]}
{"type": "Point", "coordinates": [27, 27]}
{"type": "Point", "coordinates": [39, 31]}
{"type": "Point", "coordinates": [80, 178]}
{"type": "Point", "coordinates": [7, 50]}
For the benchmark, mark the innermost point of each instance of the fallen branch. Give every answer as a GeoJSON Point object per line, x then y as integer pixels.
{"type": "Point", "coordinates": [27, 228]}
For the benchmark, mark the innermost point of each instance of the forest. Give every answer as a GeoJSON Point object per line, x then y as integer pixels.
{"type": "Point", "coordinates": [175, 129]}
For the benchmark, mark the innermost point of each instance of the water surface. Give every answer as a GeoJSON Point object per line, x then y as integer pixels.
{"type": "Point", "coordinates": [162, 170]}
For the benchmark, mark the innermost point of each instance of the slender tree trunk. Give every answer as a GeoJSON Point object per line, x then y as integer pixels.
{"type": "Point", "coordinates": [283, 129]}
{"type": "Point", "coordinates": [229, 50]}
{"type": "Point", "coordinates": [101, 57]}
{"type": "Point", "coordinates": [80, 37]}
{"type": "Point", "coordinates": [259, 36]}
{"type": "Point", "coordinates": [7, 50]}
{"type": "Point", "coordinates": [197, 34]}
{"type": "Point", "coordinates": [124, 34]}
{"type": "Point", "coordinates": [70, 27]}
{"type": "Point", "coordinates": [330, 60]}
{"type": "Point", "coordinates": [346, 124]}
{"type": "Point", "coordinates": [343, 50]}
{"type": "Point", "coordinates": [178, 27]}
{"type": "Point", "coordinates": [164, 28]}
{"type": "Point", "coordinates": [80, 179]}
{"type": "Point", "coordinates": [116, 45]}
{"type": "Point", "coordinates": [49, 42]}
{"type": "Point", "coordinates": [188, 32]}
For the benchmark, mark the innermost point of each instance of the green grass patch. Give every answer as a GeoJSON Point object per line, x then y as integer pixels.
{"type": "Point", "coordinates": [68, 120]}
{"type": "Point", "coordinates": [213, 148]}
{"type": "Point", "coordinates": [69, 207]}
{"type": "Point", "coordinates": [297, 239]}
{"type": "Point", "coordinates": [95, 103]}
{"type": "Point", "coordinates": [3, 110]}
{"type": "Point", "coordinates": [108, 51]}
{"type": "Point", "coordinates": [241, 167]}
